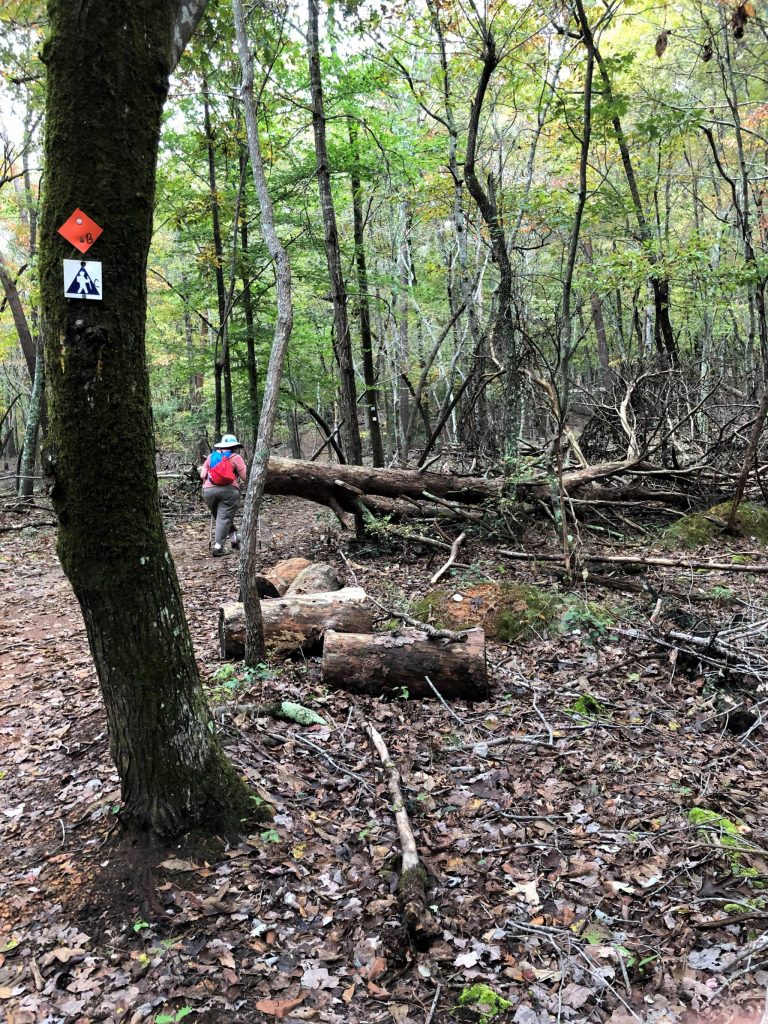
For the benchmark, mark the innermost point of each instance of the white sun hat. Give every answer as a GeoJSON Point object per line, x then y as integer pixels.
{"type": "Point", "coordinates": [228, 441]}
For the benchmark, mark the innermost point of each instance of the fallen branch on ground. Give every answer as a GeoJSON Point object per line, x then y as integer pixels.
{"type": "Point", "coordinates": [296, 623]}
{"type": "Point", "coordinates": [25, 526]}
{"type": "Point", "coordinates": [650, 560]}
{"type": "Point", "coordinates": [434, 634]}
{"type": "Point", "coordinates": [451, 559]}
{"type": "Point", "coordinates": [412, 887]}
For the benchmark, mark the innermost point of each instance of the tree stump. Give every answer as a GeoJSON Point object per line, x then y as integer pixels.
{"type": "Point", "coordinates": [296, 623]}
{"type": "Point", "coordinates": [318, 578]}
{"type": "Point", "coordinates": [386, 664]}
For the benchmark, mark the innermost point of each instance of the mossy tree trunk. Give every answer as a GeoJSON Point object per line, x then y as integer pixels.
{"type": "Point", "coordinates": [108, 67]}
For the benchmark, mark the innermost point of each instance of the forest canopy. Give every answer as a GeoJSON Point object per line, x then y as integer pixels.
{"type": "Point", "coordinates": [590, 242]}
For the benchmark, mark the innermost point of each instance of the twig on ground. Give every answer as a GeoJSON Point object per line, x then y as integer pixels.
{"type": "Point", "coordinates": [25, 526]}
{"type": "Point", "coordinates": [434, 634]}
{"type": "Point", "coordinates": [437, 693]}
{"type": "Point", "coordinates": [322, 753]}
{"type": "Point", "coordinates": [430, 1016]}
{"type": "Point", "coordinates": [451, 559]}
{"type": "Point", "coordinates": [544, 722]}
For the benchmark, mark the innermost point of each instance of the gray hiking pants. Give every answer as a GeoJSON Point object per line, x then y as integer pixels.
{"type": "Point", "coordinates": [223, 503]}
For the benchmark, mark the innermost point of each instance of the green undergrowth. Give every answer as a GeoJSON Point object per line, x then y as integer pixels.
{"type": "Point", "coordinates": [702, 528]}
{"type": "Point", "coordinates": [587, 706]}
{"type": "Point", "coordinates": [720, 831]}
{"type": "Point", "coordinates": [489, 1004]}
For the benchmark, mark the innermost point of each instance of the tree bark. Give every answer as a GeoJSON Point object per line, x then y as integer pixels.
{"type": "Point", "coordinates": [342, 341]}
{"type": "Point", "coordinates": [254, 640]}
{"type": "Point", "coordinates": [501, 343]}
{"type": "Point", "coordinates": [364, 307]}
{"type": "Point", "coordinates": [296, 623]}
{"type": "Point", "coordinates": [223, 385]}
{"type": "Point", "coordinates": [108, 67]}
{"type": "Point", "coordinates": [385, 664]}
{"type": "Point", "coordinates": [250, 327]}
{"type": "Point", "coordinates": [29, 451]}
{"type": "Point", "coordinates": [20, 321]}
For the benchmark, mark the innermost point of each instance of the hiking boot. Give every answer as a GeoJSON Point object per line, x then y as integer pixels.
{"type": "Point", "coordinates": [217, 550]}
{"type": "Point", "coordinates": [234, 540]}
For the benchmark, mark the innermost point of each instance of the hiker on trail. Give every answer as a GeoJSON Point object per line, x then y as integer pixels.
{"type": "Point", "coordinates": [222, 474]}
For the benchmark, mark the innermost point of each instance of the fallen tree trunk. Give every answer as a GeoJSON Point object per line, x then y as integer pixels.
{"type": "Point", "coordinates": [275, 581]}
{"type": "Point", "coordinates": [386, 664]}
{"type": "Point", "coordinates": [293, 624]}
{"type": "Point", "coordinates": [346, 488]}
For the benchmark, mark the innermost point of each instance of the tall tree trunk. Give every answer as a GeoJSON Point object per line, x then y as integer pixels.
{"type": "Point", "coordinates": [222, 377]}
{"type": "Point", "coordinates": [254, 629]}
{"type": "Point", "coordinates": [342, 341]}
{"type": "Point", "coordinates": [403, 333]}
{"type": "Point", "coordinates": [112, 60]}
{"type": "Point", "coordinates": [596, 303]}
{"type": "Point", "coordinates": [566, 338]}
{"type": "Point", "coordinates": [364, 306]}
{"type": "Point", "coordinates": [502, 335]}
{"type": "Point", "coordinates": [20, 322]}
{"type": "Point", "coordinates": [29, 451]}
{"type": "Point", "coordinates": [250, 329]}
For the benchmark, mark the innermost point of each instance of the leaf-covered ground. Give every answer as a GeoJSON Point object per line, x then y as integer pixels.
{"type": "Point", "coordinates": [594, 832]}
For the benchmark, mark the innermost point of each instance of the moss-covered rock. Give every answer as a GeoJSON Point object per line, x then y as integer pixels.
{"type": "Point", "coordinates": [702, 528]}
{"type": "Point", "coordinates": [506, 611]}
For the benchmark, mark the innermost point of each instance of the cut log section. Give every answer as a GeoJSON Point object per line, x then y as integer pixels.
{"type": "Point", "coordinates": [383, 664]}
{"type": "Point", "coordinates": [318, 578]}
{"type": "Point", "coordinates": [275, 581]}
{"type": "Point", "coordinates": [293, 624]}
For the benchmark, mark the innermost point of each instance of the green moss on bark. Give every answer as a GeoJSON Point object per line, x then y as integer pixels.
{"type": "Point", "coordinates": [108, 66]}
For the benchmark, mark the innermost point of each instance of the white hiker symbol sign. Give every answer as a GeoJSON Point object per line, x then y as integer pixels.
{"type": "Point", "coordinates": [82, 279]}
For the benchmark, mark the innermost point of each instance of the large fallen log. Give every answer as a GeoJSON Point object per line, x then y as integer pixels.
{"type": "Point", "coordinates": [392, 664]}
{"type": "Point", "coordinates": [346, 488]}
{"type": "Point", "coordinates": [293, 624]}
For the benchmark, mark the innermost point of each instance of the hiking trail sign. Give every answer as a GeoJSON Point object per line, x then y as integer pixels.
{"type": "Point", "coordinates": [80, 230]}
{"type": "Point", "coordinates": [82, 279]}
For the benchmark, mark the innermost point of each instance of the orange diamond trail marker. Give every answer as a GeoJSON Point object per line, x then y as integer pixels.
{"type": "Point", "coordinates": [80, 230]}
